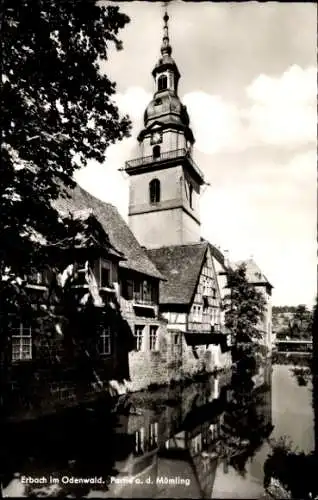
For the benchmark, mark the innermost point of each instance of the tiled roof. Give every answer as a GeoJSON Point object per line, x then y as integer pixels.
{"type": "Point", "coordinates": [114, 226]}
{"type": "Point", "coordinates": [181, 265]}
{"type": "Point", "coordinates": [253, 273]}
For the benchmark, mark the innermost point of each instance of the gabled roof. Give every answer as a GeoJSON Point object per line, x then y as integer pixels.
{"type": "Point", "coordinates": [253, 273]}
{"type": "Point", "coordinates": [115, 227]}
{"type": "Point", "coordinates": [181, 265]}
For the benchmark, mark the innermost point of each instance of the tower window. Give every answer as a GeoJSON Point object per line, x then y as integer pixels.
{"type": "Point", "coordinates": [191, 195]}
{"type": "Point", "coordinates": [156, 152]}
{"type": "Point", "coordinates": [162, 82]}
{"type": "Point", "coordinates": [154, 191]}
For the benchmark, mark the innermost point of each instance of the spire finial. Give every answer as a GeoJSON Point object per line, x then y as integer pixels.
{"type": "Point", "coordinates": [165, 47]}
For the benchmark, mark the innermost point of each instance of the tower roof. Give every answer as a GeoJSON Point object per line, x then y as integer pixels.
{"type": "Point", "coordinates": [165, 108]}
{"type": "Point", "coordinates": [166, 61]}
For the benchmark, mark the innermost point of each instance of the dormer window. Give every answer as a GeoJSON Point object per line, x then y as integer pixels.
{"type": "Point", "coordinates": [162, 82]}
{"type": "Point", "coordinates": [154, 191]}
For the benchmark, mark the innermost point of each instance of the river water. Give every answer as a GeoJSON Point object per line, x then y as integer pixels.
{"type": "Point", "coordinates": [207, 440]}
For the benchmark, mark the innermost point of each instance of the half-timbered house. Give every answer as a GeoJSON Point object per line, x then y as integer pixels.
{"type": "Point", "coordinates": [191, 301]}
{"type": "Point", "coordinates": [137, 285]}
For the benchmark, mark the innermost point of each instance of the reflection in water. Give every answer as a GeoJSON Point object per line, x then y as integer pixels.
{"type": "Point", "coordinates": [205, 440]}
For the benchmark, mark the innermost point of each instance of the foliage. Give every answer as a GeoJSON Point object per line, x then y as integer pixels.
{"type": "Point", "coordinates": [244, 307]}
{"type": "Point", "coordinates": [246, 423]}
{"type": "Point", "coordinates": [283, 309]}
{"type": "Point", "coordinates": [294, 323]}
{"type": "Point", "coordinates": [302, 375]}
{"type": "Point", "coordinates": [57, 113]}
{"type": "Point", "coordinates": [295, 470]}
{"type": "Point", "coordinates": [315, 372]}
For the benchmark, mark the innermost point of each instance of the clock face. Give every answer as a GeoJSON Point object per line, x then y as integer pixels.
{"type": "Point", "coordinates": [156, 138]}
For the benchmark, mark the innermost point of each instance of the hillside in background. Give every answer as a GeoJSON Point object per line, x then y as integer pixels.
{"type": "Point", "coordinates": [294, 322]}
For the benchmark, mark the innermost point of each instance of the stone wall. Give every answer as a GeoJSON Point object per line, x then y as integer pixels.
{"type": "Point", "coordinates": [173, 360]}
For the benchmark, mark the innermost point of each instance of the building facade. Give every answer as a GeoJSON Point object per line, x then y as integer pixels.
{"type": "Point", "coordinates": [161, 281]}
{"type": "Point", "coordinates": [69, 337]}
{"type": "Point", "coordinates": [257, 278]}
{"type": "Point", "coordinates": [165, 182]}
{"type": "Point", "coordinates": [137, 288]}
{"type": "Point", "coordinates": [164, 196]}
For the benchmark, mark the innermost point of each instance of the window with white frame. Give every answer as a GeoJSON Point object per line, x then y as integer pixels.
{"type": "Point", "coordinates": [140, 441]}
{"type": "Point", "coordinates": [139, 329]}
{"type": "Point", "coordinates": [194, 312]}
{"type": "Point", "coordinates": [197, 314]}
{"type": "Point", "coordinates": [205, 286]}
{"type": "Point", "coordinates": [21, 335]}
{"type": "Point", "coordinates": [143, 292]}
{"type": "Point", "coordinates": [215, 315]}
{"type": "Point", "coordinates": [104, 340]}
{"type": "Point", "coordinates": [153, 435]}
{"type": "Point", "coordinates": [36, 278]}
{"type": "Point", "coordinates": [153, 331]}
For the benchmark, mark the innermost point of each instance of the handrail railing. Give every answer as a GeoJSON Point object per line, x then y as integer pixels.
{"type": "Point", "coordinates": [167, 155]}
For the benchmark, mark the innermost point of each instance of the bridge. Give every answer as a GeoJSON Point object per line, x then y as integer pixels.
{"type": "Point", "coordinates": [294, 346]}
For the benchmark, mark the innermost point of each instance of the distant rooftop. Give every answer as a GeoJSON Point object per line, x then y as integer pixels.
{"type": "Point", "coordinates": [253, 272]}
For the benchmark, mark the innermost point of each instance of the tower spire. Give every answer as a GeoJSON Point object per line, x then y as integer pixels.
{"type": "Point", "coordinates": [166, 47]}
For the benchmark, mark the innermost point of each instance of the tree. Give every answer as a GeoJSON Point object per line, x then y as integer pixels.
{"type": "Point", "coordinates": [244, 307]}
{"type": "Point", "coordinates": [302, 321]}
{"type": "Point", "coordinates": [295, 322]}
{"type": "Point", "coordinates": [57, 112]}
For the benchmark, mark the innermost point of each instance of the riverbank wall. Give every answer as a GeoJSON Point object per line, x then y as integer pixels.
{"type": "Point", "coordinates": [174, 361]}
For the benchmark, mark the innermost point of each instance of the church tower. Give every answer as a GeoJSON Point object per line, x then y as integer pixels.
{"type": "Point", "coordinates": [164, 180]}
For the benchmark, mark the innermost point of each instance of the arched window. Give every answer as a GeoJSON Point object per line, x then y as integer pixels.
{"type": "Point", "coordinates": [162, 82]}
{"type": "Point", "coordinates": [154, 191]}
{"type": "Point", "coordinates": [156, 152]}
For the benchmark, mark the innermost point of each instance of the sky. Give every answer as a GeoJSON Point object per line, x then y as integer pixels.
{"type": "Point", "coordinates": [249, 81]}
